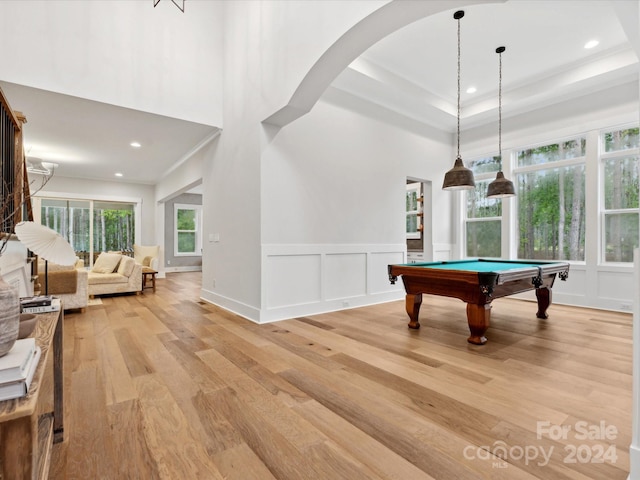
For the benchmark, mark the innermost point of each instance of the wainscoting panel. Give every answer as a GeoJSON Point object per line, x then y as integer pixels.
{"type": "Point", "coordinates": [345, 275]}
{"type": "Point", "coordinates": [605, 288]}
{"type": "Point", "coordinates": [300, 280]}
{"type": "Point", "coordinates": [379, 276]}
{"type": "Point", "coordinates": [293, 280]}
{"type": "Point", "coordinates": [442, 252]}
{"type": "Point", "coordinates": [615, 290]}
{"type": "Point", "coordinates": [615, 285]}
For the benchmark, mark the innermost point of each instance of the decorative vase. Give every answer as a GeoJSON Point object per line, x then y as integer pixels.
{"type": "Point", "coordinates": [9, 316]}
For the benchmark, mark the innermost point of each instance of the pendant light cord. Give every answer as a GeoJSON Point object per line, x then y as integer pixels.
{"type": "Point", "coordinates": [458, 130]}
{"type": "Point", "coordinates": [499, 51]}
{"type": "Point", "coordinates": [500, 187]}
{"type": "Point", "coordinates": [500, 110]}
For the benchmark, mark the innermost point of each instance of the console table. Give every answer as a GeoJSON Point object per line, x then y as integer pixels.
{"type": "Point", "coordinates": [30, 425]}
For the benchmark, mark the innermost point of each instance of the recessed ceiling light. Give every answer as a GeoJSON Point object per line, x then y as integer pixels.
{"type": "Point", "coordinates": [118, 174]}
{"type": "Point", "coordinates": [471, 90]}
{"type": "Point", "coordinates": [591, 44]}
{"type": "Point", "coordinates": [135, 144]}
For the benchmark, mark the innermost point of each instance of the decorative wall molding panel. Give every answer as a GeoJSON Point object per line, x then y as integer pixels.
{"type": "Point", "coordinates": [311, 279]}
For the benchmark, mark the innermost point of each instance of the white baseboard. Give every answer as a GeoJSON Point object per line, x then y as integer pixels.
{"type": "Point", "coordinates": [239, 308]}
{"type": "Point", "coordinates": [634, 463]}
{"type": "Point", "coordinates": [286, 313]}
{"type": "Point", "coordinates": [197, 268]}
{"type": "Point", "coordinates": [293, 311]}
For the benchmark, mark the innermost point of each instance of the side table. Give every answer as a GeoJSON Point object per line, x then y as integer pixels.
{"type": "Point", "coordinates": [146, 274]}
{"type": "Point", "coordinates": [27, 434]}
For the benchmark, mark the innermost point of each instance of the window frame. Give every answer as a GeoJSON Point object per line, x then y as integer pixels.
{"type": "Point", "coordinates": [555, 164]}
{"type": "Point", "coordinates": [479, 177]}
{"type": "Point", "coordinates": [603, 212]}
{"type": "Point", "coordinates": [198, 230]}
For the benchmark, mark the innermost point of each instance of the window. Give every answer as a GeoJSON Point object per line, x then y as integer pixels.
{"type": "Point", "coordinates": [112, 224]}
{"type": "Point", "coordinates": [620, 186]}
{"type": "Point", "coordinates": [483, 215]}
{"type": "Point", "coordinates": [188, 233]}
{"type": "Point", "coordinates": [551, 201]}
{"type": "Point", "coordinates": [70, 218]}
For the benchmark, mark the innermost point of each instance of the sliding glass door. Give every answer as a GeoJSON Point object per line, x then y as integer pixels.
{"type": "Point", "coordinates": [91, 226]}
{"type": "Point", "coordinates": [70, 218]}
{"type": "Point", "coordinates": [113, 226]}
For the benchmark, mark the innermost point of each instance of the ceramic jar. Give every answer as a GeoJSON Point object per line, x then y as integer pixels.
{"type": "Point", "coordinates": [9, 316]}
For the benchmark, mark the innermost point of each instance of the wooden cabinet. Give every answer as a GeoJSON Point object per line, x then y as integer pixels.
{"type": "Point", "coordinates": [30, 425]}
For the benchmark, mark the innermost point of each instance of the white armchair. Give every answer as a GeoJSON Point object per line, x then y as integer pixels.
{"type": "Point", "coordinates": [147, 256]}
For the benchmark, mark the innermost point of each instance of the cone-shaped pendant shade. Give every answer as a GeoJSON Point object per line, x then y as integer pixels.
{"type": "Point", "coordinates": [500, 187]}
{"type": "Point", "coordinates": [459, 177]}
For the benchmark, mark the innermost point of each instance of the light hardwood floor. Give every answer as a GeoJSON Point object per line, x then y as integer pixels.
{"type": "Point", "coordinates": [162, 385]}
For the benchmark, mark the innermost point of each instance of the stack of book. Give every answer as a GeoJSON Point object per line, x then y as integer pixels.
{"type": "Point", "coordinates": [40, 304]}
{"type": "Point", "coordinates": [17, 368]}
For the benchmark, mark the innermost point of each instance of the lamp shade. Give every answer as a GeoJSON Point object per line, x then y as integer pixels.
{"type": "Point", "coordinates": [500, 187]}
{"type": "Point", "coordinates": [459, 177]}
{"type": "Point", "coordinates": [45, 243]}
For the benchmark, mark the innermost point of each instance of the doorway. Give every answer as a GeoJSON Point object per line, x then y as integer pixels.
{"type": "Point", "coordinates": [419, 226]}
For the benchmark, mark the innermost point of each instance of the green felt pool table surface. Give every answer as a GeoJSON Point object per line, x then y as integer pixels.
{"type": "Point", "coordinates": [483, 265]}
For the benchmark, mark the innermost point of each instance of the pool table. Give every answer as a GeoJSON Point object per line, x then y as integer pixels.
{"type": "Point", "coordinates": [477, 282]}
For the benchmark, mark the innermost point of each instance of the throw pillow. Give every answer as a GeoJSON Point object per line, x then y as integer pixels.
{"type": "Point", "coordinates": [106, 262]}
{"type": "Point", "coordinates": [146, 261]}
{"type": "Point", "coordinates": [126, 266]}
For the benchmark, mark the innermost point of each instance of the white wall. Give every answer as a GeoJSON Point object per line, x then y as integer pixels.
{"type": "Point", "coordinates": [121, 52]}
{"type": "Point", "coordinates": [332, 205]}
{"type": "Point", "coordinates": [315, 41]}
{"type": "Point", "coordinates": [185, 175]}
{"type": "Point", "coordinates": [335, 176]}
{"type": "Point", "coordinates": [231, 270]}
{"type": "Point", "coordinates": [290, 37]}
{"type": "Point", "coordinates": [269, 48]}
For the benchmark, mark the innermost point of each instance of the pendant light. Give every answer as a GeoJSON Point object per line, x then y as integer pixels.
{"type": "Point", "coordinates": [459, 177]}
{"type": "Point", "coordinates": [500, 187]}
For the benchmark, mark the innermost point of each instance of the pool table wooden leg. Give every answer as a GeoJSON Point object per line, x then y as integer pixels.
{"type": "Point", "coordinates": [478, 317]}
{"type": "Point", "coordinates": [543, 294]}
{"type": "Point", "coordinates": [413, 303]}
